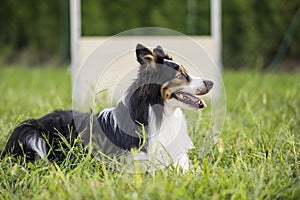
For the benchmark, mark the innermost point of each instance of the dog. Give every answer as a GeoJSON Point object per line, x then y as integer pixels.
{"type": "Point", "coordinates": [147, 119]}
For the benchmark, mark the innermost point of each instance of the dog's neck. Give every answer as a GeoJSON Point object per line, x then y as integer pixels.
{"type": "Point", "coordinates": [139, 98]}
{"type": "Point", "coordinates": [124, 122]}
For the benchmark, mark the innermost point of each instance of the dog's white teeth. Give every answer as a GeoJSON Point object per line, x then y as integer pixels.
{"type": "Point", "coordinates": [204, 104]}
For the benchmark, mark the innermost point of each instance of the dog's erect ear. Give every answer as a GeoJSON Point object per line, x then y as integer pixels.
{"type": "Point", "coordinates": [143, 55]}
{"type": "Point", "coordinates": [159, 51]}
{"type": "Point", "coordinates": [160, 54]}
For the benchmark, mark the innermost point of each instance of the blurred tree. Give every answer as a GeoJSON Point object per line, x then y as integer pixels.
{"type": "Point", "coordinates": [37, 32]}
{"type": "Point", "coordinates": [253, 31]}
{"type": "Point", "coordinates": [30, 31]}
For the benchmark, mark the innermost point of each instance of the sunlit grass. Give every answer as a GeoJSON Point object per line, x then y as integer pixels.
{"type": "Point", "coordinates": [258, 157]}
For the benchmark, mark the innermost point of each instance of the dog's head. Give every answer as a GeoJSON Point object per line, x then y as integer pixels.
{"type": "Point", "coordinates": [177, 87]}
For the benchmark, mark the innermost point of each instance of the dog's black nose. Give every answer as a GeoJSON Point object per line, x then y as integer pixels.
{"type": "Point", "coordinates": [208, 84]}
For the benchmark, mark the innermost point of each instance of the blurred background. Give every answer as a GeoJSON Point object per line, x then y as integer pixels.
{"type": "Point", "coordinates": [255, 34]}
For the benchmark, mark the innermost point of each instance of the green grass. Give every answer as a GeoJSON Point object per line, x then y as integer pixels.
{"type": "Point", "coordinates": [258, 156]}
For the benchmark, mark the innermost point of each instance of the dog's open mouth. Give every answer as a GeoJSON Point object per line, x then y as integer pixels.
{"type": "Point", "coordinates": [190, 100]}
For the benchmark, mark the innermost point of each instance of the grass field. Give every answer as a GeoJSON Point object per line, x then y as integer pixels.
{"type": "Point", "coordinates": [258, 156]}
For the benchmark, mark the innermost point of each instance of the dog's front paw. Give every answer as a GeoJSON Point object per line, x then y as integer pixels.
{"type": "Point", "coordinates": [183, 163]}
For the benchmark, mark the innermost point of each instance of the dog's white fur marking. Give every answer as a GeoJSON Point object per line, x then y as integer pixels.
{"type": "Point", "coordinates": [172, 61]}
{"type": "Point", "coordinates": [107, 111]}
{"type": "Point", "coordinates": [38, 145]}
{"type": "Point", "coordinates": [168, 144]}
{"type": "Point", "coordinates": [194, 85]}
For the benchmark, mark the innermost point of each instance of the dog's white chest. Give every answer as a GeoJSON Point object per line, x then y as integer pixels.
{"type": "Point", "coordinates": [171, 126]}
{"type": "Point", "coordinates": [171, 141]}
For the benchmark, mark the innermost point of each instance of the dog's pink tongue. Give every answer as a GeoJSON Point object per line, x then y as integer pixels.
{"type": "Point", "coordinates": [191, 97]}
{"type": "Point", "coordinates": [195, 99]}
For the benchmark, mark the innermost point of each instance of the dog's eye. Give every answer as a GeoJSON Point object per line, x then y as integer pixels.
{"type": "Point", "coordinates": [180, 77]}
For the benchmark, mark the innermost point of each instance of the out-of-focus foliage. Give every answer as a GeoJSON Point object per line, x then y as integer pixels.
{"type": "Point", "coordinates": [37, 32]}
{"type": "Point", "coordinates": [34, 32]}
{"type": "Point", "coordinates": [253, 31]}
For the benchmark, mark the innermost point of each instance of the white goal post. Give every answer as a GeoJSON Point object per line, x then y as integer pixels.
{"type": "Point", "coordinates": [82, 46]}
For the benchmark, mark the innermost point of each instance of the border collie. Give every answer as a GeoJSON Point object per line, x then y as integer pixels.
{"type": "Point", "coordinates": [148, 118]}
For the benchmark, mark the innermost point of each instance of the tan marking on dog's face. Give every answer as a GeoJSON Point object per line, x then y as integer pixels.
{"type": "Point", "coordinates": [165, 91]}
{"type": "Point", "coordinates": [180, 79]}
